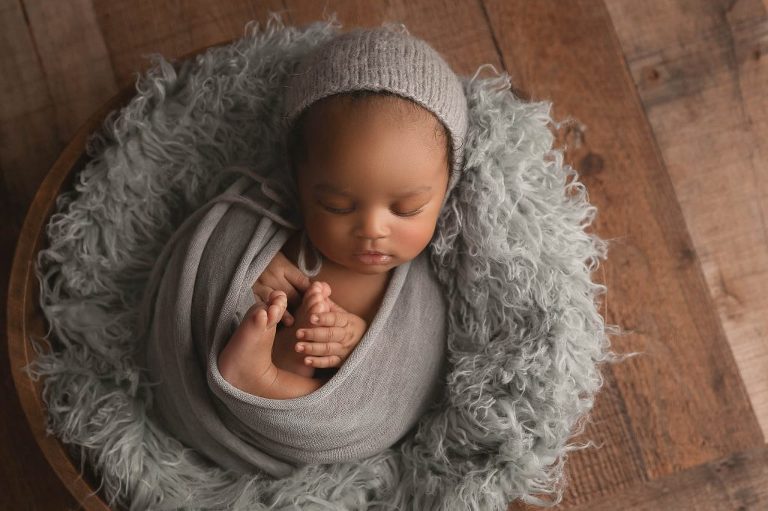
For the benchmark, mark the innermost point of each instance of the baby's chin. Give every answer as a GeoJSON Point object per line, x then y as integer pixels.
{"type": "Point", "coordinates": [373, 269]}
{"type": "Point", "coordinates": [377, 270]}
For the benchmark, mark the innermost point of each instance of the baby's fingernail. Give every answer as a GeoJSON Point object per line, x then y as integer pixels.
{"type": "Point", "coordinates": [313, 318]}
{"type": "Point", "coordinates": [300, 334]}
{"type": "Point", "coordinates": [299, 347]}
{"type": "Point", "coordinates": [308, 361]}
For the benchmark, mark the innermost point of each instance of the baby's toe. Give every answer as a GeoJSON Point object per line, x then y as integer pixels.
{"type": "Point", "coordinates": [278, 298]}
{"type": "Point", "coordinates": [257, 317]}
{"type": "Point", "coordinates": [278, 302]}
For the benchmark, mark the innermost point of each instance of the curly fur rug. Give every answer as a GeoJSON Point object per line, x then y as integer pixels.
{"type": "Point", "coordinates": [525, 337]}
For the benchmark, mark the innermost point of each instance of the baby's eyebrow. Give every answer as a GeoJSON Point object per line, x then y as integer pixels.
{"type": "Point", "coordinates": [414, 191]}
{"type": "Point", "coordinates": [329, 188]}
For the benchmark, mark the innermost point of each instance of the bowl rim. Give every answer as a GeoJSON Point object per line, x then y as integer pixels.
{"type": "Point", "coordinates": [22, 305]}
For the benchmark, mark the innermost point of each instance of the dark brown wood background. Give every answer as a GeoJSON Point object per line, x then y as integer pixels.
{"type": "Point", "coordinates": [669, 132]}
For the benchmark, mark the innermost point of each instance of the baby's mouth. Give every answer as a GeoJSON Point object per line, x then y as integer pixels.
{"type": "Point", "coordinates": [369, 257]}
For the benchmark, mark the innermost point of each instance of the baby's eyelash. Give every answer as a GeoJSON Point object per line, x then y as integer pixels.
{"type": "Point", "coordinates": [337, 211]}
{"type": "Point", "coordinates": [346, 211]}
{"type": "Point", "coordinates": [411, 213]}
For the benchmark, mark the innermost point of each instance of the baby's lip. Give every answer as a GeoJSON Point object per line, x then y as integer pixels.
{"type": "Point", "coordinates": [370, 252]}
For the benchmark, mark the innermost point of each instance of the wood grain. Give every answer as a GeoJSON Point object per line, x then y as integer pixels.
{"type": "Point", "coordinates": [682, 396]}
{"type": "Point", "coordinates": [29, 139]}
{"type": "Point", "coordinates": [133, 31]}
{"type": "Point", "coordinates": [737, 482]}
{"type": "Point", "coordinates": [702, 74]}
{"type": "Point", "coordinates": [79, 79]}
{"type": "Point", "coordinates": [28, 146]}
{"type": "Point", "coordinates": [25, 319]}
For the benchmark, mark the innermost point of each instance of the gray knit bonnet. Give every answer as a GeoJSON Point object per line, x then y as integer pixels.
{"type": "Point", "coordinates": [383, 58]}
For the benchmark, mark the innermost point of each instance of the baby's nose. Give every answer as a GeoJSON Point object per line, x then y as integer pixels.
{"type": "Point", "coordinates": [372, 226]}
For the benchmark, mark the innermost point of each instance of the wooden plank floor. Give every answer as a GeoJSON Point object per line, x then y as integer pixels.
{"type": "Point", "coordinates": [668, 130]}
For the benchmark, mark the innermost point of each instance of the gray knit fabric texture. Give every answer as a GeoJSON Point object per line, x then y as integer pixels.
{"type": "Point", "coordinates": [383, 58]}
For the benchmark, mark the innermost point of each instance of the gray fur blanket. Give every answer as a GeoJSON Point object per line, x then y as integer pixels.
{"type": "Point", "coordinates": [511, 254]}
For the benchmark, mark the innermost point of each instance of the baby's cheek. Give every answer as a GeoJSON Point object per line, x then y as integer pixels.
{"type": "Point", "coordinates": [320, 230]}
{"type": "Point", "coordinates": [326, 234]}
{"type": "Point", "coordinates": [413, 240]}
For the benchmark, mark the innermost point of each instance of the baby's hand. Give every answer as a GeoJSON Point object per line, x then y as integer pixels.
{"type": "Point", "coordinates": [280, 274]}
{"type": "Point", "coordinates": [334, 337]}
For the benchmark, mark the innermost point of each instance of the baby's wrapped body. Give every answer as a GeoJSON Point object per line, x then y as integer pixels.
{"type": "Point", "coordinates": [395, 373]}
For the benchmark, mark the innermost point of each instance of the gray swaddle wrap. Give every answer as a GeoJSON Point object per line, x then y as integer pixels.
{"type": "Point", "coordinates": [200, 289]}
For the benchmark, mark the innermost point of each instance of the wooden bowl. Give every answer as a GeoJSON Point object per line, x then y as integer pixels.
{"type": "Point", "coordinates": [25, 318]}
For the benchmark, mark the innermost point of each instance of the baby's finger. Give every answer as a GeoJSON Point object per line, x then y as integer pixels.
{"type": "Point", "coordinates": [320, 348]}
{"type": "Point", "coordinates": [262, 291]}
{"type": "Point", "coordinates": [322, 334]}
{"type": "Point", "coordinates": [314, 300]}
{"type": "Point", "coordinates": [297, 278]}
{"type": "Point", "coordinates": [268, 282]}
{"type": "Point", "coordinates": [283, 285]}
{"type": "Point", "coordinates": [294, 296]}
{"type": "Point", "coordinates": [329, 319]}
{"type": "Point", "coordinates": [288, 319]}
{"type": "Point", "coordinates": [332, 361]}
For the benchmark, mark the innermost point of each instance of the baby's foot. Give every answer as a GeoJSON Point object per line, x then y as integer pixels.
{"type": "Point", "coordinates": [246, 360]}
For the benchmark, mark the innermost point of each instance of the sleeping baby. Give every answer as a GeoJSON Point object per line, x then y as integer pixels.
{"type": "Point", "coordinates": [375, 148]}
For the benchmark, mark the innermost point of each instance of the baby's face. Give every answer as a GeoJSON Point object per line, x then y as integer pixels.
{"type": "Point", "coordinates": [374, 179]}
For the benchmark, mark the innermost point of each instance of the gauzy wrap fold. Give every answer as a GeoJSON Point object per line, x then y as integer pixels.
{"type": "Point", "coordinates": [200, 289]}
